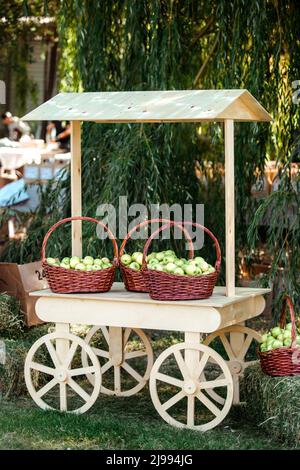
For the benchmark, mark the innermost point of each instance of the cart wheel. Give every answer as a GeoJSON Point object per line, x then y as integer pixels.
{"type": "Point", "coordinates": [185, 387]}
{"type": "Point", "coordinates": [44, 360]}
{"type": "Point", "coordinates": [132, 373]}
{"type": "Point", "coordinates": [237, 361]}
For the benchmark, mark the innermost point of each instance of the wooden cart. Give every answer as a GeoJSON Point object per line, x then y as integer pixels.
{"type": "Point", "coordinates": [119, 314]}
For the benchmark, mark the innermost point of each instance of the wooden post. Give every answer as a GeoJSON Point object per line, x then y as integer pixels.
{"type": "Point", "coordinates": [76, 187]}
{"type": "Point", "coordinates": [229, 207]}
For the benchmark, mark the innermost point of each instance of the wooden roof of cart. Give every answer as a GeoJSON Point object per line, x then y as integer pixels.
{"type": "Point", "coordinates": [152, 106]}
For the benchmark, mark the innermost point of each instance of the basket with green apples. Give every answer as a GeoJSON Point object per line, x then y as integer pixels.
{"type": "Point", "coordinates": [279, 351]}
{"type": "Point", "coordinates": [75, 274]}
{"type": "Point", "coordinates": [131, 263]}
{"type": "Point", "coordinates": [170, 278]}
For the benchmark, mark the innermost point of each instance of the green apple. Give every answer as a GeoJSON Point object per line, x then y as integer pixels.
{"type": "Point", "coordinates": [288, 326]}
{"type": "Point", "coordinates": [74, 260]}
{"type": "Point", "coordinates": [88, 267]}
{"type": "Point", "coordinates": [135, 266]}
{"type": "Point", "coordinates": [179, 262]}
{"type": "Point", "coordinates": [170, 267]}
{"type": "Point", "coordinates": [287, 342]}
{"type": "Point", "coordinates": [51, 261]}
{"type": "Point", "coordinates": [65, 265]}
{"type": "Point", "coordinates": [106, 265]}
{"type": "Point", "coordinates": [170, 253]}
{"type": "Point", "coordinates": [270, 340]}
{"type": "Point", "coordinates": [269, 347]}
{"type": "Point", "coordinates": [139, 258]}
{"type": "Point", "coordinates": [98, 261]}
{"type": "Point", "coordinates": [153, 262]}
{"type": "Point", "coordinates": [277, 344]}
{"type": "Point", "coordinates": [80, 267]}
{"type": "Point", "coordinates": [88, 260]}
{"type": "Point", "coordinates": [160, 256]}
{"type": "Point", "coordinates": [190, 269]}
{"type": "Point", "coordinates": [157, 267]}
{"type": "Point", "coordinates": [264, 338]}
{"type": "Point", "coordinates": [66, 260]}
{"type": "Point", "coordinates": [126, 259]}
{"type": "Point", "coordinates": [150, 256]}
{"type": "Point", "coordinates": [96, 267]}
{"type": "Point", "coordinates": [105, 260]}
{"type": "Point", "coordinates": [179, 271]}
{"type": "Point", "coordinates": [263, 347]}
{"type": "Point", "coordinates": [276, 331]}
{"type": "Point", "coordinates": [280, 337]}
{"type": "Point", "coordinates": [169, 259]}
{"type": "Point", "coordinates": [287, 334]}
{"type": "Point", "coordinates": [211, 269]}
{"type": "Point", "coordinates": [135, 256]}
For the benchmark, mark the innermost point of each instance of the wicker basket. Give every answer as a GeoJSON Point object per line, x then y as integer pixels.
{"type": "Point", "coordinates": [283, 361]}
{"type": "Point", "coordinates": [165, 286]}
{"type": "Point", "coordinates": [63, 280]}
{"type": "Point", "coordinates": [134, 280]}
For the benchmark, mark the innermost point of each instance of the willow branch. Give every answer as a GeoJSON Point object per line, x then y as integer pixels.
{"type": "Point", "coordinates": [205, 30]}
{"type": "Point", "coordinates": [202, 68]}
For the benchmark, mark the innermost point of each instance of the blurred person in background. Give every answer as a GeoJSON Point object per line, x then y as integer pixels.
{"type": "Point", "coordinates": [16, 128]}
{"type": "Point", "coordinates": [56, 132]}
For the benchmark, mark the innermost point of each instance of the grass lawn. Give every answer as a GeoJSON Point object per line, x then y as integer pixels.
{"type": "Point", "coordinates": [120, 423]}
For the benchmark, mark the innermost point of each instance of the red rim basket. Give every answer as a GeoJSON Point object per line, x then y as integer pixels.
{"type": "Point", "coordinates": [283, 361]}
{"type": "Point", "coordinates": [68, 281]}
{"type": "Point", "coordinates": [165, 286]}
{"type": "Point", "coordinates": [134, 281]}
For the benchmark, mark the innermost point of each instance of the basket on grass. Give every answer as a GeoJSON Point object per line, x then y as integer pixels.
{"type": "Point", "coordinates": [165, 286]}
{"type": "Point", "coordinates": [134, 281]}
{"type": "Point", "coordinates": [63, 280]}
{"type": "Point", "coordinates": [283, 361]}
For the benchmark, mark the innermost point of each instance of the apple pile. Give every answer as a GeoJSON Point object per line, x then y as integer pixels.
{"type": "Point", "coordinates": [88, 263]}
{"type": "Point", "coordinates": [168, 262]}
{"type": "Point", "coordinates": [278, 338]}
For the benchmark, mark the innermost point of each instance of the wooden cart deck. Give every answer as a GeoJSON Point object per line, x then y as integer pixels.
{"type": "Point", "coordinates": [137, 310]}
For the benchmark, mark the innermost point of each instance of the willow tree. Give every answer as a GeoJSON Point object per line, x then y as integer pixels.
{"type": "Point", "coordinates": [170, 44]}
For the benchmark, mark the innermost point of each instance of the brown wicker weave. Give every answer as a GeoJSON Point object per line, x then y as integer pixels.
{"type": "Point", "coordinates": [283, 361]}
{"type": "Point", "coordinates": [134, 280]}
{"type": "Point", "coordinates": [62, 280]}
{"type": "Point", "coordinates": [165, 286]}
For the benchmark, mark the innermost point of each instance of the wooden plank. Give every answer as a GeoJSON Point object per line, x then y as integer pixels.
{"type": "Point", "coordinates": [229, 207]}
{"type": "Point", "coordinates": [76, 197]}
{"type": "Point", "coordinates": [151, 106]}
{"type": "Point", "coordinates": [119, 294]}
{"type": "Point", "coordinates": [116, 345]}
{"type": "Point", "coordinates": [149, 316]}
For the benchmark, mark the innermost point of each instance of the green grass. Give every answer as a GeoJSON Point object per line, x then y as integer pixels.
{"type": "Point", "coordinates": [118, 423]}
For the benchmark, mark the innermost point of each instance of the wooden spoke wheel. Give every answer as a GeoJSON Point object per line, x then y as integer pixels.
{"type": "Point", "coordinates": [237, 343]}
{"type": "Point", "coordinates": [179, 377]}
{"type": "Point", "coordinates": [125, 356]}
{"type": "Point", "coordinates": [55, 377]}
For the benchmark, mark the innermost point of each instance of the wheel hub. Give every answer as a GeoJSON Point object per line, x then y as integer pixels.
{"type": "Point", "coordinates": [190, 387]}
{"type": "Point", "coordinates": [235, 367]}
{"type": "Point", "coordinates": [61, 375]}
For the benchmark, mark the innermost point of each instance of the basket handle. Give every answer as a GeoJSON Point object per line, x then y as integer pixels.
{"type": "Point", "coordinates": [147, 222]}
{"type": "Point", "coordinates": [88, 219]}
{"type": "Point", "coordinates": [193, 224]}
{"type": "Point", "coordinates": [287, 301]}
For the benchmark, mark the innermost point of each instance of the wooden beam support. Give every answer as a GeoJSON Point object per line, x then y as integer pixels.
{"type": "Point", "coordinates": [229, 207]}
{"type": "Point", "coordinates": [76, 203]}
